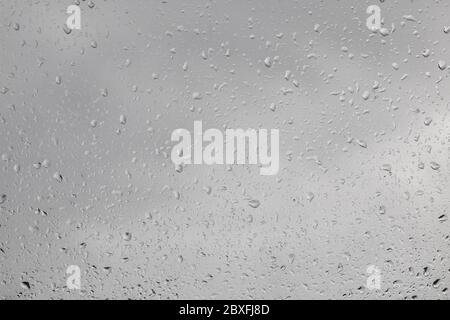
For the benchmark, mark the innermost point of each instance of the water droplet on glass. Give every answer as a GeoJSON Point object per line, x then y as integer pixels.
{"type": "Point", "coordinates": [254, 203]}
{"type": "Point", "coordinates": [127, 236]}
{"type": "Point", "coordinates": [58, 177]}
{"type": "Point", "coordinates": [435, 165]}
{"type": "Point", "coordinates": [268, 62]}
{"type": "Point", "coordinates": [442, 65]}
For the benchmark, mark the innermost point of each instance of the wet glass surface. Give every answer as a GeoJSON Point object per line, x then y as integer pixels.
{"type": "Point", "coordinates": [358, 209]}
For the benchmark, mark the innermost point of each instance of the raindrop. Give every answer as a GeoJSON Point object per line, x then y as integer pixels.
{"type": "Point", "coordinates": [58, 177]}
{"type": "Point", "coordinates": [361, 143]}
{"type": "Point", "coordinates": [436, 283]}
{"type": "Point", "coordinates": [435, 165]}
{"type": "Point", "coordinates": [207, 189]}
{"type": "Point", "coordinates": [46, 163]}
{"type": "Point", "coordinates": [127, 236]}
{"type": "Point", "coordinates": [442, 65]}
{"type": "Point", "coordinates": [268, 62]}
{"type": "Point", "coordinates": [310, 196]}
{"type": "Point", "coordinates": [366, 95]}
{"type": "Point", "coordinates": [104, 92]}
{"type": "Point", "coordinates": [291, 258]}
{"type": "Point", "coordinates": [196, 96]}
{"type": "Point", "coordinates": [25, 285]}
{"type": "Point", "coordinates": [254, 203]}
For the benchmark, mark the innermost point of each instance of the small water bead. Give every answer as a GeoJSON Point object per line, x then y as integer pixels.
{"type": "Point", "coordinates": [366, 95]}
{"type": "Point", "coordinates": [46, 163]}
{"type": "Point", "coordinates": [268, 62]}
{"type": "Point", "coordinates": [442, 65]}
{"type": "Point", "coordinates": [254, 203]}
{"type": "Point", "coordinates": [436, 283]}
{"type": "Point", "coordinates": [426, 53]}
{"type": "Point", "coordinates": [291, 258]}
{"type": "Point", "coordinates": [104, 92]}
{"type": "Point", "coordinates": [41, 212]}
{"type": "Point", "coordinates": [58, 177]}
{"type": "Point", "coordinates": [196, 96]}
{"type": "Point", "coordinates": [361, 143]}
{"type": "Point", "coordinates": [127, 236]}
{"type": "Point", "coordinates": [435, 165]}
{"type": "Point", "coordinates": [384, 32]}
{"type": "Point", "coordinates": [207, 190]}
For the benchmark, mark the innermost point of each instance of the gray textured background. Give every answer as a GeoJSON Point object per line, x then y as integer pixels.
{"type": "Point", "coordinates": [361, 182]}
